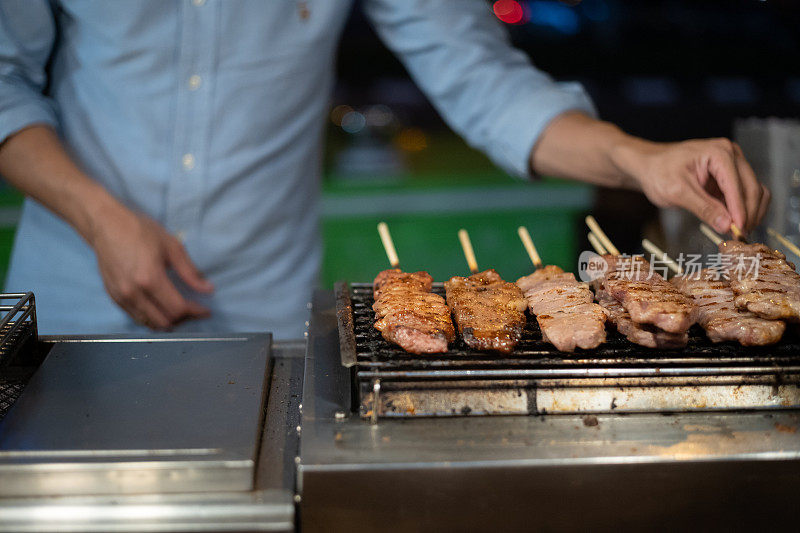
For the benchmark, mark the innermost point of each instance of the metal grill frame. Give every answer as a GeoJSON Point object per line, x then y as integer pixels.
{"type": "Point", "coordinates": [618, 376]}
{"type": "Point", "coordinates": [18, 326]}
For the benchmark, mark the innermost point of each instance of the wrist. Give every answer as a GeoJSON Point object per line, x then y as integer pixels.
{"type": "Point", "coordinates": [631, 157]}
{"type": "Point", "coordinates": [99, 209]}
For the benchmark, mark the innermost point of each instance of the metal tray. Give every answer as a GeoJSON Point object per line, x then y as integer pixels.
{"type": "Point", "coordinates": [131, 415]}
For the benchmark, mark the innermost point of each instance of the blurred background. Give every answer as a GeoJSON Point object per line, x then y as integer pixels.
{"type": "Point", "coordinates": [666, 70]}
{"type": "Point", "coordinates": [663, 69]}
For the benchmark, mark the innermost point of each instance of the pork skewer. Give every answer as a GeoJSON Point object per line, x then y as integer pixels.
{"type": "Point", "coordinates": [717, 314]}
{"type": "Point", "coordinates": [489, 312]}
{"type": "Point", "coordinates": [407, 313]}
{"type": "Point", "coordinates": [647, 296]}
{"type": "Point", "coordinates": [641, 334]}
{"type": "Point", "coordinates": [768, 287]}
{"type": "Point", "coordinates": [564, 307]}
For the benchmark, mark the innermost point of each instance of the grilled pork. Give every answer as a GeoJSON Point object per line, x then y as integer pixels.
{"type": "Point", "coordinates": [771, 290]}
{"type": "Point", "coordinates": [489, 312]}
{"type": "Point", "coordinates": [409, 315]}
{"type": "Point", "coordinates": [564, 308]}
{"type": "Point", "coordinates": [646, 296]}
{"type": "Point", "coordinates": [719, 316]}
{"type": "Point", "coordinates": [642, 334]}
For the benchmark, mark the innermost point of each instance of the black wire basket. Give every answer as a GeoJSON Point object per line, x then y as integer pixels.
{"type": "Point", "coordinates": [17, 328]}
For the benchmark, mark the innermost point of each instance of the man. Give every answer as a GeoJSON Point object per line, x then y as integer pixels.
{"type": "Point", "coordinates": [171, 149]}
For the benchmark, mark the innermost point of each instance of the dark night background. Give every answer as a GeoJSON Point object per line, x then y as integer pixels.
{"type": "Point", "coordinates": [663, 69]}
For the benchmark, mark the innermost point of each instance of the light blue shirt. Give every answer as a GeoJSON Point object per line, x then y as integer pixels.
{"type": "Point", "coordinates": [208, 115]}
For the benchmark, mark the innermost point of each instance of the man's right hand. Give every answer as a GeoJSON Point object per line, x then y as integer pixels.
{"type": "Point", "coordinates": [134, 253]}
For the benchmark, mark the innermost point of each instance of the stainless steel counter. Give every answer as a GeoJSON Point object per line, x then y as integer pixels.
{"type": "Point", "coordinates": [723, 470]}
{"type": "Point", "coordinates": [243, 480]}
{"type": "Point", "coordinates": [720, 470]}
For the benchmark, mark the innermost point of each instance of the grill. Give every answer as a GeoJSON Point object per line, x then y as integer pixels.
{"type": "Point", "coordinates": [17, 327]}
{"type": "Point", "coordinates": [537, 379]}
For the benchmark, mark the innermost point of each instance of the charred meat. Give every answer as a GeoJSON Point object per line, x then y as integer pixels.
{"type": "Point", "coordinates": [564, 309]}
{"type": "Point", "coordinates": [718, 315]}
{"type": "Point", "coordinates": [409, 315]}
{"type": "Point", "coordinates": [646, 296]}
{"type": "Point", "coordinates": [642, 334]}
{"type": "Point", "coordinates": [489, 312]}
{"type": "Point", "coordinates": [762, 280]}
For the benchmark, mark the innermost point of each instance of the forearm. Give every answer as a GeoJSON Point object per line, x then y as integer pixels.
{"type": "Point", "coordinates": [576, 146]}
{"type": "Point", "coordinates": [709, 177]}
{"type": "Point", "coordinates": [34, 161]}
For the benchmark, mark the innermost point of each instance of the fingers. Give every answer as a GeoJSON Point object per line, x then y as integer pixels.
{"type": "Point", "coordinates": [707, 208]}
{"type": "Point", "coordinates": [180, 261]}
{"type": "Point", "coordinates": [138, 305]}
{"type": "Point", "coordinates": [151, 299]}
{"type": "Point", "coordinates": [147, 313]}
{"type": "Point", "coordinates": [753, 190]}
{"type": "Point", "coordinates": [763, 205]}
{"type": "Point", "coordinates": [170, 302]}
{"type": "Point", "coordinates": [722, 167]}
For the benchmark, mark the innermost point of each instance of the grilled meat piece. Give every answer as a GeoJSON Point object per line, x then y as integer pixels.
{"type": "Point", "coordinates": [772, 290]}
{"type": "Point", "coordinates": [719, 316]}
{"type": "Point", "coordinates": [409, 315]}
{"type": "Point", "coordinates": [489, 312]}
{"type": "Point", "coordinates": [642, 334]}
{"type": "Point", "coordinates": [419, 281]}
{"type": "Point", "coordinates": [646, 296]}
{"type": "Point", "coordinates": [564, 308]}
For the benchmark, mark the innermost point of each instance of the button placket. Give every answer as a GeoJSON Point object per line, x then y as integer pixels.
{"type": "Point", "coordinates": [195, 160]}
{"type": "Point", "coordinates": [185, 193]}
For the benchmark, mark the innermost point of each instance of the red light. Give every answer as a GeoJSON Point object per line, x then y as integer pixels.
{"type": "Point", "coordinates": [509, 11]}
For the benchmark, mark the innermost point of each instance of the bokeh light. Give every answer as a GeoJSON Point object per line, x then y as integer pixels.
{"type": "Point", "coordinates": [338, 113]}
{"type": "Point", "coordinates": [379, 116]}
{"type": "Point", "coordinates": [509, 11]}
{"type": "Point", "coordinates": [353, 122]}
{"type": "Point", "coordinates": [411, 140]}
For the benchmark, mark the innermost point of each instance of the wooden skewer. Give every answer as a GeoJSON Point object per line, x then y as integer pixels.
{"type": "Point", "coordinates": [529, 246]}
{"type": "Point", "coordinates": [711, 234]}
{"type": "Point", "coordinates": [662, 255]}
{"type": "Point", "coordinates": [601, 236]}
{"type": "Point", "coordinates": [596, 244]}
{"type": "Point", "coordinates": [469, 253]}
{"type": "Point", "coordinates": [388, 245]}
{"type": "Point", "coordinates": [737, 233]}
{"type": "Point", "coordinates": [784, 241]}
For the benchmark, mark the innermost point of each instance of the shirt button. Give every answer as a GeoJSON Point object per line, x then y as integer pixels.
{"type": "Point", "coordinates": [198, 3]}
{"type": "Point", "coordinates": [188, 161]}
{"type": "Point", "coordinates": [194, 82]}
{"type": "Point", "coordinates": [302, 8]}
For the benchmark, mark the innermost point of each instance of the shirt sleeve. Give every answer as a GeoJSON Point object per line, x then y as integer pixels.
{"type": "Point", "coordinates": [27, 34]}
{"type": "Point", "coordinates": [485, 89]}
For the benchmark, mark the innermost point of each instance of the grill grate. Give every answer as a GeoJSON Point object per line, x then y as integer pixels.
{"type": "Point", "coordinates": [17, 326]}
{"type": "Point", "coordinates": [464, 381]}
